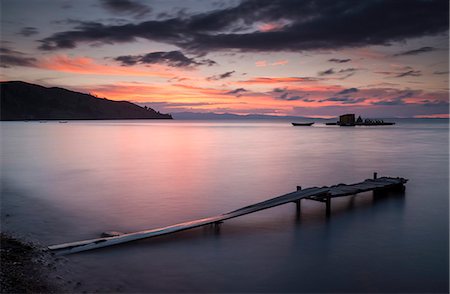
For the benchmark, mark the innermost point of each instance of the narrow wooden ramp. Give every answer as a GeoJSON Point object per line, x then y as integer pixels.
{"type": "Point", "coordinates": [323, 194]}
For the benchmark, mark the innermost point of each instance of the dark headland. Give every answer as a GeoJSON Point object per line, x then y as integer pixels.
{"type": "Point", "coordinates": [24, 101]}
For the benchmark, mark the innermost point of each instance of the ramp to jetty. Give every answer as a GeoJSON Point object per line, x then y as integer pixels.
{"type": "Point", "coordinates": [322, 194]}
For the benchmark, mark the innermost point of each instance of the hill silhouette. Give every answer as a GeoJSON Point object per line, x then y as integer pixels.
{"type": "Point", "coordinates": [24, 101]}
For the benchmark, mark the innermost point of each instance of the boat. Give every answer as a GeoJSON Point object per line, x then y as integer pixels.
{"type": "Point", "coordinates": [303, 124]}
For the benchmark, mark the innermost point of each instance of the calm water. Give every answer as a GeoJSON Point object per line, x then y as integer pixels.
{"type": "Point", "coordinates": [68, 182]}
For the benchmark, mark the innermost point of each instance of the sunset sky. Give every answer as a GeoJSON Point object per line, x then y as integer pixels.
{"type": "Point", "coordinates": [376, 58]}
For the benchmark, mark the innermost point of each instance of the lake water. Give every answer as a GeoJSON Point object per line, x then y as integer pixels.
{"type": "Point", "coordinates": [73, 181]}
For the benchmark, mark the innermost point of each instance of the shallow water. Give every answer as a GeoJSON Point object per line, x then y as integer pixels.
{"type": "Point", "coordinates": [68, 182]}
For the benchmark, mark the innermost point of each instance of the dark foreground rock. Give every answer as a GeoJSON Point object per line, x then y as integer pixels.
{"type": "Point", "coordinates": [26, 268]}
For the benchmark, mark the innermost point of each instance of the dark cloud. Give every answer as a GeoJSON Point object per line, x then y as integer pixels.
{"type": "Point", "coordinates": [403, 72]}
{"type": "Point", "coordinates": [237, 92]}
{"type": "Point", "coordinates": [407, 94]}
{"type": "Point", "coordinates": [386, 73]}
{"type": "Point", "coordinates": [8, 51]}
{"type": "Point", "coordinates": [221, 76]}
{"type": "Point", "coordinates": [126, 7]}
{"type": "Point", "coordinates": [326, 72]}
{"type": "Point", "coordinates": [279, 90]}
{"type": "Point", "coordinates": [344, 100]}
{"type": "Point", "coordinates": [11, 58]}
{"type": "Point", "coordinates": [348, 70]}
{"type": "Point", "coordinates": [7, 61]}
{"type": "Point", "coordinates": [285, 96]}
{"type": "Point", "coordinates": [337, 60]}
{"type": "Point", "coordinates": [308, 100]}
{"type": "Point", "coordinates": [311, 25]}
{"type": "Point", "coordinates": [409, 73]}
{"type": "Point", "coordinates": [389, 102]}
{"type": "Point", "coordinates": [171, 58]}
{"type": "Point", "coordinates": [346, 73]}
{"type": "Point", "coordinates": [348, 91]}
{"type": "Point", "coordinates": [416, 51]}
{"type": "Point", "coordinates": [441, 72]}
{"type": "Point", "coordinates": [399, 100]}
{"type": "Point", "coordinates": [28, 31]}
{"type": "Point", "coordinates": [429, 103]}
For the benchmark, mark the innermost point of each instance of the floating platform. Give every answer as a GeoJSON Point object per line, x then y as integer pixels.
{"type": "Point", "coordinates": [322, 194]}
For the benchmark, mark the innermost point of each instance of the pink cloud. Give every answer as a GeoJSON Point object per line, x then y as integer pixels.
{"type": "Point", "coordinates": [261, 63]}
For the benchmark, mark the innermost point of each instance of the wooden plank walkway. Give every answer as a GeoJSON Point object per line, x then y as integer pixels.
{"type": "Point", "coordinates": [322, 194]}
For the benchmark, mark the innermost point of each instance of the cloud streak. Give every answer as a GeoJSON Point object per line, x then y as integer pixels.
{"type": "Point", "coordinates": [237, 92]}
{"type": "Point", "coordinates": [416, 51]}
{"type": "Point", "coordinates": [409, 73]}
{"type": "Point", "coordinates": [28, 31]}
{"type": "Point", "coordinates": [337, 60]}
{"type": "Point", "coordinates": [221, 76]}
{"type": "Point", "coordinates": [171, 58]}
{"type": "Point", "coordinates": [348, 91]}
{"type": "Point", "coordinates": [11, 58]}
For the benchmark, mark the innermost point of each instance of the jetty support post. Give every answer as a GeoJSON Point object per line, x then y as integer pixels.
{"type": "Point", "coordinates": [328, 205]}
{"type": "Point", "coordinates": [399, 188]}
{"type": "Point", "coordinates": [298, 202]}
{"type": "Point", "coordinates": [216, 226]}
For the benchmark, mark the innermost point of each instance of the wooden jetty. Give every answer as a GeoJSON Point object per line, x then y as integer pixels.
{"type": "Point", "coordinates": [322, 194]}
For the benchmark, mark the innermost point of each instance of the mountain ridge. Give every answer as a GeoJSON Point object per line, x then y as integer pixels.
{"type": "Point", "coordinates": [25, 101]}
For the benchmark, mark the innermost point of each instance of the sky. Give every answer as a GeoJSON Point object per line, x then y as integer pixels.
{"type": "Point", "coordinates": [313, 58]}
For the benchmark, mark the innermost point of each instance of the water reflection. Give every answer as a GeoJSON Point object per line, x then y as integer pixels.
{"type": "Point", "coordinates": [68, 182]}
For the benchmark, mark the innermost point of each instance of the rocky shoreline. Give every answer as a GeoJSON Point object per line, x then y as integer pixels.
{"type": "Point", "coordinates": [27, 268]}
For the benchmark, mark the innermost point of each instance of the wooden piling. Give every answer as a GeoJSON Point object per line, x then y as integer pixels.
{"type": "Point", "coordinates": [328, 205]}
{"type": "Point", "coordinates": [298, 202]}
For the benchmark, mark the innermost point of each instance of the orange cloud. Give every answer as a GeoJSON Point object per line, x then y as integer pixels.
{"type": "Point", "coordinates": [263, 63]}
{"type": "Point", "coordinates": [85, 65]}
{"type": "Point", "coordinates": [159, 91]}
{"type": "Point", "coordinates": [280, 62]}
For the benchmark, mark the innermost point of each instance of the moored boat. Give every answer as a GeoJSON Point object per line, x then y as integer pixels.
{"type": "Point", "coordinates": [303, 124]}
